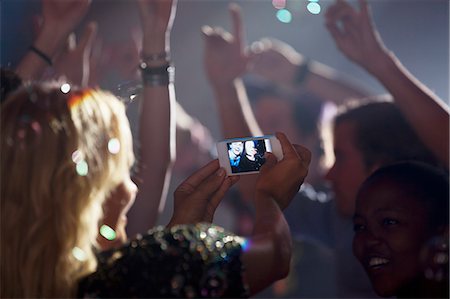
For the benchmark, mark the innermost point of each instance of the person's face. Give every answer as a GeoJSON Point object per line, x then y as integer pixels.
{"type": "Point", "coordinates": [391, 226]}
{"type": "Point", "coordinates": [348, 171]}
{"type": "Point", "coordinates": [250, 149]}
{"type": "Point", "coordinates": [236, 148]}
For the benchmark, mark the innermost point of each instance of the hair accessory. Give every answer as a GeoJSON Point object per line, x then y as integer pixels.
{"type": "Point", "coordinates": [157, 76]}
{"type": "Point", "coordinates": [41, 54]}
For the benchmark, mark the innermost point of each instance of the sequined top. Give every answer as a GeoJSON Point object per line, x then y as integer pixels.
{"type": "Point", "coordinates": [200, 260]}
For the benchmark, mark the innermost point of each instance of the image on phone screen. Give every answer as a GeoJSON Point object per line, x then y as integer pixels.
{"type": "Point", "coordinates": [247, 156]}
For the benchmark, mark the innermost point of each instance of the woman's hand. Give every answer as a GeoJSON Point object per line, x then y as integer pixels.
{"type": "Point", "coordinates": [224, 57]}
{"type": "Point", "coordinates": [196, 199]}
{"type": "Point", "coordinates": [63, 16]}
{"type": "Point", "coordinates": [282, 180]}
{"type": "Point", "coordinates": [275, 60]}
{"type": "Point", "coordinates": [157, 18]}
{"type": "Point", "coordinates": [355, 35]}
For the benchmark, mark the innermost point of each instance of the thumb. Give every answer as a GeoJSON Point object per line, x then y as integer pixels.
{"type": "Point", "coordinates": [271, 161]}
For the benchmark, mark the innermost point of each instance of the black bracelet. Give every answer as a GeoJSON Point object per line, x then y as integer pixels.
{"type": "Point", "coordinates": [302, 73]}
{"type": "Point", "coordinates": [157, 76]}
{"type": "Point", "coordinates": [155, 57]}
{"type": "Point", "coordinates": [41, 54]}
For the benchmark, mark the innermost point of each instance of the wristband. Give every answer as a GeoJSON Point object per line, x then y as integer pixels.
{"type": "Point", "coordinates": [157, 76]}
{"type": "Point", "coordinates": [41, 54]}
{"type": "Point", "coordinates": [164, 56]}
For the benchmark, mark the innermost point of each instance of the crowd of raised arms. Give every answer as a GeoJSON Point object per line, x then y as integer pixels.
{"type": "Point", "coordinates": [373, 222]}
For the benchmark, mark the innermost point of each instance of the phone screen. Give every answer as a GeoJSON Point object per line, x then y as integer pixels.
{"type": "Point", "coordinates": [247, 155]}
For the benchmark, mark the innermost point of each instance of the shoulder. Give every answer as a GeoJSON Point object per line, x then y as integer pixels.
{"type": "Point", "coordinates": [200, 260]}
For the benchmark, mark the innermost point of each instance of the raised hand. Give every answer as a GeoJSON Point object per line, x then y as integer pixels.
{"type": "Point", "coordinates": [275, 60]}
{"type": "Point", "coordinates": [282, 180]}
{"type": "Point", "coordinates": [157, 18]}
{"type": "Point", "coordinates": [356, 36]}
{"type": "Point", "coordinates": [59, 19]}
{"type": "Point", "coordinates": [75, 61]}
{"type": "Point", "coordinates": [64, 16]}
{"type": "Point", "coordinates": [197, 198]}
{"type": "Point", "coordinates": [225, 58]}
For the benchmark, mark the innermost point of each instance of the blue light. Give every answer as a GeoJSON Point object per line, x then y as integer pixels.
{"type": "Point", "coordinates": [314, 8]}
{"type": "Point", "coordinates": [245, 245]}
{"type": "Point", "coordinates": [284, 16]}
{"type": "Point", "coordinates": [313, 0]}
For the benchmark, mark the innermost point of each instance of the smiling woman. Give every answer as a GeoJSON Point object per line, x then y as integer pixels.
{"type": "Point", "coordinates": [399, 209]}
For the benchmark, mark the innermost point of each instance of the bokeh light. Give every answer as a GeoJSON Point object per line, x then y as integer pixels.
{"type": "Point", "coordinates": [284, 16]}
{"type": "Point", "coordinates": [65, 88]}
{"type": "Point", "coordinates": [77, 157]}
{"type": "Point", "coordinates": [279, 4]}
{"type": "Point", "coordinates": [82, 168]}
{"type": "Point", "coordinates": [114, 146]}
{"type": "Point", "coordinates": [79, 254]}
{"type": "Point", "coordinates": [314, 8]}
{"type": "Point", "coordinates": [107, 232]}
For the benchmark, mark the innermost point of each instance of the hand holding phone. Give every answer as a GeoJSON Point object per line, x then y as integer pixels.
{"type": "Point", "coordinates": [240, 156]}
{"type": "Point", "coordinates": [281, 180]}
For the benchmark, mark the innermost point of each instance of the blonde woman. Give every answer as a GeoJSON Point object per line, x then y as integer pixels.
{"type": "Point", "coordinates": [64, 153]}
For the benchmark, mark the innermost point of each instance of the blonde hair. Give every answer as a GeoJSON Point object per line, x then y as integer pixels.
{"type": "Point", "coordinates": [56, 171]}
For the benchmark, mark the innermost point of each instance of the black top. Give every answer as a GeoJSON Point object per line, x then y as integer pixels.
{"type": "Point", "coordinates": [200, 260]}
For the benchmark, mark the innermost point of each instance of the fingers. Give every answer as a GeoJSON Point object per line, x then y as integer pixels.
{"type": "Point", "coordinates": [270, 162]}
{"type": "Point", "coordinates": [304, 154]}
{"type": "Point", "coordinates": [286, 146]}
{"type": "Point", "coordinates": [364, 6]}
{"type": "Point", "coordinates": [238, 30]}
{"type": "Point", "coordinates": [200, 175]}
{"type": "Point", "coordinates": [220, 193]}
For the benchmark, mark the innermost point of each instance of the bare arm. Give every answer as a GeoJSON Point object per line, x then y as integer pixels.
{"type": "Point", "coordinates": [280, 63]}
{"type": "Point", "coordinates": [59, 19]}
{"type": "Point", "coordinates": [225, 62]}
{"type": "Point", "coordinates": [361, 43]}
{"type": "Point", "coordinates": [157, 124]}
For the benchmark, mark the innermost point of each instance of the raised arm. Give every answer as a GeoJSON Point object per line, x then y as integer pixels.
{"type": "Point", "coordinates": [360, 42]}
{"type": "Point", "coordinates": [59, 19]}
{"type": "Point", "coordinates": [157, 124]}
{"type": "Point", "coordinates": [282, 64]}
{"type": "Point", "coordinates": [225, 61]}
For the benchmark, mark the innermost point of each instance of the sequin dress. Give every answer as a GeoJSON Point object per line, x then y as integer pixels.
{"type": "Point", "coordinates": [190, 261]}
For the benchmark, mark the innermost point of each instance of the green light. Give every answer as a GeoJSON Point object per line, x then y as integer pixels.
{"type": "Point", "coordinates": [313, 8]}
{"type": "Point", "coordinates": [107, 232]}
{"type": "Point", "coordinates": [284, 16]}
{"type": "Point", "coordinates": [82, 168]}
{"type": "Point", "coordinates": [79, 254]}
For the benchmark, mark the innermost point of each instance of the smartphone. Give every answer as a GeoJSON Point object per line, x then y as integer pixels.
{"type": "Point", "coordinates": [246, 155]}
